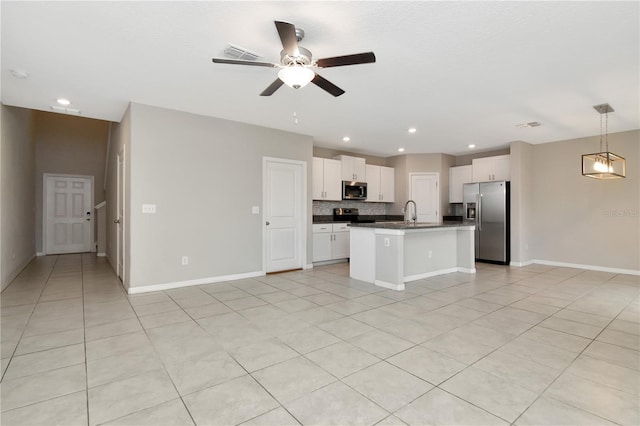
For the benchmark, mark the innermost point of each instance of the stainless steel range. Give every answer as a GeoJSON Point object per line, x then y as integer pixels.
{"type": "Point", "coordinates": [341, 214]}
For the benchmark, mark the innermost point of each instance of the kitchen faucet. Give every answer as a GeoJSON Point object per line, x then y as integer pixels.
{"type": "Point", "coordinates": [414, 218]}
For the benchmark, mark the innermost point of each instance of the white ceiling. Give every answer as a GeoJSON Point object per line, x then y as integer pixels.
{"type": "Point", "coordinates": [460, 72]}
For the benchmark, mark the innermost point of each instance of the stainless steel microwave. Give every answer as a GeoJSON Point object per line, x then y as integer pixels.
{"type": "Point", "coordinates": [354, 190]}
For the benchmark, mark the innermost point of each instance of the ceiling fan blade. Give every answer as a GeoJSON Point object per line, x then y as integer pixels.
{"type": "Point", "coordinates": [288, 37]}
{"type": "Point", "coordinates": [272, 88]}
{"type": "Point", "coordinates": [339, 61]}
{"type": "Point", "coordinates": [241, 62]}
{"type": "Point", "coordinates": [326, 85]}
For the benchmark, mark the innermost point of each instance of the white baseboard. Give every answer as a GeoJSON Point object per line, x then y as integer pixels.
{"type": "Point", "coordinates": [308, 266]}
{"type": "Point", "coordinates": [416, 277]}
{"type": "Point", "coordinates": [588, 267]}
{"type": "Point", "coordinates": [390, 286]}
{"type": "Point", "coordinates": [330, 262]}
{"type": "Point", "coordinates": [188, 283]}
{"type": "Point", "coordinates": [521, 264]}
{"type": "Point", "coordinates": [40, 253]}
{"type": "Point", "coordinates": [100, 254]}
{"type": "Point", "coordinates": [17, 272]}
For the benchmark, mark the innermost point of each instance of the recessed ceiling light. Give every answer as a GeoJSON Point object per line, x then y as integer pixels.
{"type": "Point", "coordinates": [346, 139]}
{"type": "Point", "coordinates": [472, 146]}
{"type": "Point", "coordinates": [412, 130]}
{"type": "Point", "coordinates": [400, 149]}
{"type": "Point", "coordinates": [63, 101]}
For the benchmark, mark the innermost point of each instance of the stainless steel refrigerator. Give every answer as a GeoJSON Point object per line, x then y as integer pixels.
{"type": "Point", "coordinates": [486, 204]}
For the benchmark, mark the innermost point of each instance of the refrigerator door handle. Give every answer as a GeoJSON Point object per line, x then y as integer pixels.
{"type": "Point", "coordinates": [479, 212]}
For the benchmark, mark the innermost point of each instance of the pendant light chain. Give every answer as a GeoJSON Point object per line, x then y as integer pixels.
{"type": "Point", "coordinates": [606, 130]}
{"type": "Point", "coordinates": [600, 132]}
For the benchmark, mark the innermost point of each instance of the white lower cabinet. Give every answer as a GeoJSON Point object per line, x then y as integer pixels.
{"type": "Point", "coordinates": [330, 241]}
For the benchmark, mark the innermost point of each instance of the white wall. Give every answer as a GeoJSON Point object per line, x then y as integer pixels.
{"type": "Point", "coordinates": [17, 192]}
{"type": "Point", "coordinates": [204, 174]}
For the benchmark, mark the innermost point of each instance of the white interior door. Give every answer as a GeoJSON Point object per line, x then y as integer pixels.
{"type": "Point", "coordinates": [424, 191]}
{"type": "Point", "coordinates": [119, 221]}
{"type": "Point", "coordinates": [284, 213]}
{"type": "Point", "coordinates": [68, 206]}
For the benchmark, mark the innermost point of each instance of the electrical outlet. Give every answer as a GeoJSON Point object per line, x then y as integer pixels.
{"type": "Point", "coordinates": [255, 210]}
{"type": "Point", "coordinates": [185, 260]}
{"type": "Point", "coordinates": [387, 242]}
{"type": "Point", "coordinates": [149, 208]}
{"type": "Point", "coordinates": [429, 254]}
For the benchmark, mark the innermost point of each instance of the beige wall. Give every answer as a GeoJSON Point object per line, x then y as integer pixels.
{"type": "Point", "coordinates": [330, 153]}
{"type": "Point", "coordinates": [522, 190]}
{"type": "Point", "coordinates": [417, 163]}
{"type": "Point", "coordinates": [68, 145]}
{"type": "Point", "coordinates": [204, 174]}
{"type": "Point", "coordinates": [465, 160]}
{"type": "Point", "coordinates": [17, 242]}
{"type": "Point", "coordinates": [119, 143]}
{"type": "Point", "coordinates": [582, 220]}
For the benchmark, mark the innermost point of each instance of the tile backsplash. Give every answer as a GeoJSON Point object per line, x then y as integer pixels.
{"type": "Point", "coordinates": [326, 207]}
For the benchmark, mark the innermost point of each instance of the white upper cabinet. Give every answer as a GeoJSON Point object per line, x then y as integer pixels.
{"type": "Point", "coordinates": [492, 168]}
{"type": "Point", "coordinates": [326, 179]}
{"type": "Point", "coordinates": [380, 184]}
{"type": "Point", "coordinates": [458, 176]}
{"type": "Point", "coordinates": [353, 168]}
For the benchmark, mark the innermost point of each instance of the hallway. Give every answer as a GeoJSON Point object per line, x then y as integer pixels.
{"type": "Point", "coordinates": [531, 345]}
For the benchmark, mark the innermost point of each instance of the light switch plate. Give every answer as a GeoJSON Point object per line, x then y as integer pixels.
{"type": "Point", "coordinates": [255, 210]}
{"type": "Point", "coordinates": [148, 208]}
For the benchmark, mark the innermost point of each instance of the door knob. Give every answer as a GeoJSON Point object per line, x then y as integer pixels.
{"type": "Point", "coordinates": [116, 221]}
{"type": "Point", "coordinates": [267, 223]}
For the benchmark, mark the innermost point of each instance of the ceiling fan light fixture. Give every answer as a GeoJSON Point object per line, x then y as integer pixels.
{"type": "Point", "coordinates": [296, 76]}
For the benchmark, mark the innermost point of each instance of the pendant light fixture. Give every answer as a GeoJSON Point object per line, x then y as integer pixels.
{"type": "Point", "coordinates": [603, 164]}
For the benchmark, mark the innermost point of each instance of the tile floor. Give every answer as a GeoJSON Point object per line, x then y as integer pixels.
{"type": "Point", "coordinates": [527, 346]}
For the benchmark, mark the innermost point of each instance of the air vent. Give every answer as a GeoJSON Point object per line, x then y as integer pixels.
{"type": "Point", "coordinates": [65, 110]}
{"type": "Point", "coordinates": [529, 124]}
{"type": "Point", "coordinates": [237, 52]}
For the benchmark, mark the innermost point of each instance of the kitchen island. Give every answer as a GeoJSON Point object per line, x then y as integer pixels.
{"type": "Point", "coordinates": [390, 254]}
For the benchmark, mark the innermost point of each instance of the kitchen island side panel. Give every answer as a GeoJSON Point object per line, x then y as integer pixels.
{"type": "Point", "coordinates": [362, 259]}
{"type": "Point", "coordinates": [389, 268]}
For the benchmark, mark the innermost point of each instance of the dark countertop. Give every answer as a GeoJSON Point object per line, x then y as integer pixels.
{"type": "Point", "coordinates": [404, 226]}
{"type": "Point", "coordinates": [362, 217]}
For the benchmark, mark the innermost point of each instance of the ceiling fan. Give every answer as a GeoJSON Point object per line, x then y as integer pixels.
{"type": "Point", "coordinates": [296, 63]}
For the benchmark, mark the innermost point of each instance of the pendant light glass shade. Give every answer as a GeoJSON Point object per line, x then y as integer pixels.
{"type": "Point", "coordinates": [604, 164]}
{"type": "Point", "coordinates": [296, 76]}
